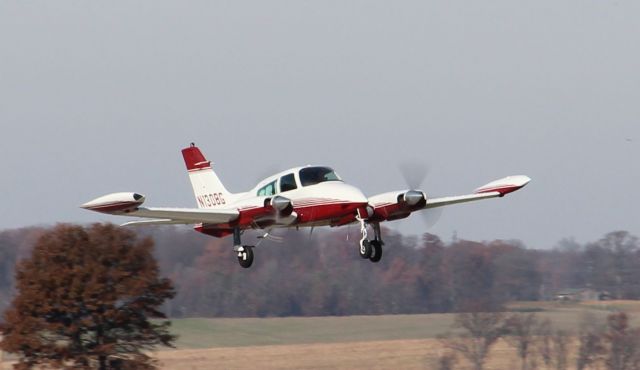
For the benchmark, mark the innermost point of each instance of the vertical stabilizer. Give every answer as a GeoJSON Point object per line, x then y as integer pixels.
{"type": "Point", "coordinates": [207, 187]}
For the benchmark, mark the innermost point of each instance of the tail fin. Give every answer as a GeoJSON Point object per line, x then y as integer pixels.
{"type": "Point", "coordinates": [207, 187]}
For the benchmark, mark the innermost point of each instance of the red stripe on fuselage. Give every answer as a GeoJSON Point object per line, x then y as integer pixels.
{"type": "Point", "coordinates": [330, 211]}
{"type": "Point", "coordinates": [327, 211]}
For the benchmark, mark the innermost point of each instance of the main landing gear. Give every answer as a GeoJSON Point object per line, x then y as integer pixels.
{"type": "Point", "coordinates": [371, 249]}
{"type": "Point", "coordinates": [245, 252]}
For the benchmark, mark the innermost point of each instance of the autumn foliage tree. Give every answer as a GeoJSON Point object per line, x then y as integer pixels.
{"type": "Point", "coordinates": [85, 299]}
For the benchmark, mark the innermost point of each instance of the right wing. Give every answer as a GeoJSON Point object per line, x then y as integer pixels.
{"type": "Point", "coordinates": [183, 216]}
{"type": "Point", "coordinates": [128, 204]}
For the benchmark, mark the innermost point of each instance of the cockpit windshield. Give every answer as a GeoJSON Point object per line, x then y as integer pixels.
{"type": "Point", "coordinates": [316, 175]}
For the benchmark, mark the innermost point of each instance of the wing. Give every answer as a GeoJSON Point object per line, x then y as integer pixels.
{"type": "Point", "coordinates": [160, 216]}
{"type": "Point", "coordinates": [129, 204]}
{"type": "Point", "coordinates": [400, 204]}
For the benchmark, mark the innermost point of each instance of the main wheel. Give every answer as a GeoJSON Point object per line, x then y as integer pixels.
{"type": "Point", "coordinates": [376, 251]}
{"type": "Point", "coordinates": [365, 249]}
{"type": "Point", "coordinates": [245, 257]}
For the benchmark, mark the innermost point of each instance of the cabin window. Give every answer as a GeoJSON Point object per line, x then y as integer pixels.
{"type": "Point", "coordinates": [316, 175]}
{"type": "Point", "coordinates": [288, 182]}
{"type": "Point", "coordinates": [267, 190]}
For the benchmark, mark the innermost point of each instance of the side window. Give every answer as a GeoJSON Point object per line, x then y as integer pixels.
{"type": "Point", "coordinates": [271, 188]}
{"type": "Point", "coordinates": [268, 189]}
{"type": "Point", "coordinates": [288, 182]}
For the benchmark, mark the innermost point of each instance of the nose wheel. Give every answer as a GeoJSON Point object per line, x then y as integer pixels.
{"type": "Point", "coordinates": [365, 248]}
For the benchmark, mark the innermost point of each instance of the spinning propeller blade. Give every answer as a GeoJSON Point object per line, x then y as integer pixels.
{"type": "Point", "coordinates": [415, 173]}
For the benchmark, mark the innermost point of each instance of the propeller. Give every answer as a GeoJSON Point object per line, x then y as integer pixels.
{"type": "Point", "coordinates": [415, 173]}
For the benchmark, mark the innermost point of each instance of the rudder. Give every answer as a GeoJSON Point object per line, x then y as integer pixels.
{"type": "Point", "coordinates": [207, 187]}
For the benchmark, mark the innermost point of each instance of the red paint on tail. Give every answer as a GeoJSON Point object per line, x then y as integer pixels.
{"type": "Point", "coordinates": [194, 159]}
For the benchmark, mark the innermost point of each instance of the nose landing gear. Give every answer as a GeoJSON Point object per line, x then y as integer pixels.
{"type": "Point", "coordinates": [371, 249]}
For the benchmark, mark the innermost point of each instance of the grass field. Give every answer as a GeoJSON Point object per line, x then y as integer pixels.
{"type": "Point", "coordinates": [352, 342]}
{"type": "Point", "coordinates": [207, 333]}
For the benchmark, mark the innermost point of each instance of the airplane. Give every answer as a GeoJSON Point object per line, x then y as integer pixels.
{"type": "Point", "coordinates": [309, 196]}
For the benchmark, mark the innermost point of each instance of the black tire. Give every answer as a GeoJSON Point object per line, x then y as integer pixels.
{"type": "Point", "coordinates": [248, 253]}
{"type": "Point", "coordinates": [376, 251]}
{"type": "Point", "coordinates": [367, 249]}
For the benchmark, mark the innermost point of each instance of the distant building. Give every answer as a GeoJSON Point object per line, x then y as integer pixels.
{"type": "Point", "coordinates": [580, 294]}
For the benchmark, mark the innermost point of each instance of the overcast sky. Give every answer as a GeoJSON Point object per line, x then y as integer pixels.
{"type": "Point", "coordinates": [97, 97]}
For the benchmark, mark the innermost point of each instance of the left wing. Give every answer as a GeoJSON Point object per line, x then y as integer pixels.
{"type": "Point", "coordinates": [497, 188]}
{"type": "Point", "coordinates": [400, 204]}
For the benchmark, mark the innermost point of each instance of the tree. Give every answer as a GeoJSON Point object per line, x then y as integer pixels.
{"type": "Point", "coordinates": [553, 346]}
{"type": "Point", "coordinates": [447, 361]}
{"type": "Point", "coordinates": [84, 300]}
{"type": "Point", "coordinates": [516, 274]}
{"type": "Point", "coordinates": [481, 330]}
{"type": "Point", "coordinates": [521, 330]}
{"type": "Point", "coordinates": [622, 343]}
{"type": "Point", "coordinates": [590, 348]}
{"type": "Point", "coordinates": [471, 273]}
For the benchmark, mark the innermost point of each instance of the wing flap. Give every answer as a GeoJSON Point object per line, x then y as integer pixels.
{"type": "Point", "coordinates": [445, 201]}
{"type": "Point", "coordinates": [187, 215]}
{"type": "Point", "coordinates": [158, 221]}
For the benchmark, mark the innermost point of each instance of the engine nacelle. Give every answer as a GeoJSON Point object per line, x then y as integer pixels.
{"type": "Point", "coordinates": [115, 203]}
{"type": "Point", "coordinates": [413, 198]}
{"type": "Point", "coordinates": [282, 205]}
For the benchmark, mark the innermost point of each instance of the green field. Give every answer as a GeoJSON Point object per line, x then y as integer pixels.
{"type": "Point", "coordinates": [209, 333]}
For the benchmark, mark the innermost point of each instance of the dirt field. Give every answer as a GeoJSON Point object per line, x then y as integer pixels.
{"type": "Point", "coordinates": [393, 354]}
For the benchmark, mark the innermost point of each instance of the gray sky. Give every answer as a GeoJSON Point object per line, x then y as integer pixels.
{"type": "Point", "coordinates": [100, 97]}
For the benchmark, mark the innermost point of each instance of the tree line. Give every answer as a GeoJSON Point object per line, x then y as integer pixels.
{"type": "Point", "coordinates": [322, 274]}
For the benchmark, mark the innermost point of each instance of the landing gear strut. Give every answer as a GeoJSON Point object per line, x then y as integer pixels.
{"type": "Point", "coordinates": [245, 252]}
{"type": "Point", "coordinates": [371, 249]}
{"type": "Point", "coordinates": [365, 245]}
